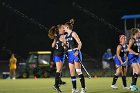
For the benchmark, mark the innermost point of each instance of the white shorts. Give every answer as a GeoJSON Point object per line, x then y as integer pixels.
{"type": "Point", "coordinates": [106, 65]}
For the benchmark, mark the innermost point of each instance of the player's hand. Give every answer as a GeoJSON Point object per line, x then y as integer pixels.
{"type": "Point", "coordinates": [76, 53]}
{"type": "Point", "coordinates": [137, 54]}
{"type": "Point", "coordinates": [55, 39]}
{"type": "Point", "coordinates": [64, 44]}
{"type": "Point", "coordinates": [124, 64]}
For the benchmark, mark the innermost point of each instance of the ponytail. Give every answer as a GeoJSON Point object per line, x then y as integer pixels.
{"type": "Point", "coordinates": [53, 31]}
{"type": "Point", "coordinates": [70, 23]}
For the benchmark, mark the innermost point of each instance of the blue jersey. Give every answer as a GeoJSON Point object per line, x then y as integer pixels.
{"type": "Point", "coordinates": [107, 57]}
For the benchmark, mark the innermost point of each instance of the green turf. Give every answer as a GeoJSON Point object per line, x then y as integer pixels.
{"type": "Point", "coordinates": [98, 85]}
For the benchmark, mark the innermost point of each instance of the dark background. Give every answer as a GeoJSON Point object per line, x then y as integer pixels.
{"type": "Point", "coordinates": [21, 36]}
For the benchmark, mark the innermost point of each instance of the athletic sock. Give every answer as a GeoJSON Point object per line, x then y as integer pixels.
{"type": "Point", "coordinates": [114, 79]}
{"type": "Point", "coordinates": [82, 80]}
{"type": "Point", "coordinates": [57, 79]}
{"type": "Point", "coordinates": [73, 79]}
{"type": "Point", "coordinates": [134, 79]}
{"type": "Point", "coordinates": [124, 81]}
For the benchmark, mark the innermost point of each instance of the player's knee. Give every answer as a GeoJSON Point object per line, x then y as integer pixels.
{"type": "Point", "coordinates": [72, 72]}
{"type": "Point", "coordinates": [123, 74]}
{"type": "Point", "coordinates": [79, 72]}
{"type": "Point", "coordinates": [58, 70]}
{"type": "Point", "coordinates": [117, 74]}
{"type": "Point", "coordinates": [138, 72]}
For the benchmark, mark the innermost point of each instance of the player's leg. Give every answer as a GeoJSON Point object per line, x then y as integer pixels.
{"type": "Point", "coordinates": [135, 76]}
{"type": "Point", "coordinates": [11, 74]}
{"type": "Point", "coordinates": [73, 77]}
{"type": "Point", "coordinates": [58, 71]}
{"type": "Point", "coordinates": [124, 71]}
{"type": "Point", "coordinates": [60, 81]}
{"type": "Point", "coordinates": [14, 74]}
{"type": "Point", "coordinates": [79, 71]}
{"type": "Point", "coordinates": [104, 64]}
{"type": "Point", "coordinates": [139, 67]}
{"type": "Point", "coordinates": [72, 70]}
{"type": "Point", "coordinates": [59, 66]}
{"type": "Point", "coordinates": [12, 70]}
{"type": "Point", "coordinates": [115, 78]}
{"type": "Point", "coordinates": [118, 71]}
{"type": "Point", "coordinates": [81, 76]}
{"type": "Point", "coordinates": [136, 69]}
{"type": "Point", "coordinates": [138, 62]}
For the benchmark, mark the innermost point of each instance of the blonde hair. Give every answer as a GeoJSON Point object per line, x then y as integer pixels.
{"type": "Point", "coordinates": [70, 23]}
{"type": "Point", "coordinates": [134, 31]}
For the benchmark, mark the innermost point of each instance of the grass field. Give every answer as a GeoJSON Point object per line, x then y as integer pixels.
{"type": "Point", "coordinates": [94, 85]}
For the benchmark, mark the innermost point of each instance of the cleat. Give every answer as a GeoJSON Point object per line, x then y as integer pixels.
{"type": "Point", "coordinates": [74, 90]}
{"type": "Point", "coordinates": [83, 90]}
{"type": "Point", "coordinates": [56, 88]}
{"type": "Point", "coordinates": [133, 88]}
{"type": "Point", "coordinates": [62, 83]}
{"type": "Point", "coordinates": [114, 86]}
{"type": "Point", "coordinates": [14, 78]}
{"type": "Point", "coordinates": [126, 87]}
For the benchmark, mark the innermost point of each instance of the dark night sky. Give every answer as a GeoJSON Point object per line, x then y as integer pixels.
{"type": "Point", "coordinates": [21, 36]}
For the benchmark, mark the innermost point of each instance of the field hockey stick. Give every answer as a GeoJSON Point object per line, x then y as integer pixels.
{"type": "Point", "coordinates": [124, 64]}
{"type": "Point", "coordinates": [89, 76]}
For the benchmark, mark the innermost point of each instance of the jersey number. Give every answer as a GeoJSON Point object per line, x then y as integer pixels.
{"type": "Point", "coordinates": [68, 44]}
{"type": "Point", "coordinates": [56, 46]}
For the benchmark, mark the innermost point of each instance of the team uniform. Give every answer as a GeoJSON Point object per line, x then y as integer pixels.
{"type": "Point", "coordinates": [123, 55]}
{"type": "Point", "coordinates": [132, 58]}
{"type": "Point", "coordinates": [106, 59]}
{"type": "Point", "coordinates": [58, 52]}
{"type": "Point", "coordinates": [58, 56]}
{"type": "Point", "coordinates": [138, 44]}
{"type": "Point", "coordinates": [72, 48]}
{"type": "Point", "coordinates": [13, 68]}
{"type": "Point", "coordinates": [13, 63]}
